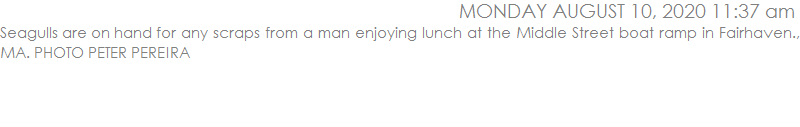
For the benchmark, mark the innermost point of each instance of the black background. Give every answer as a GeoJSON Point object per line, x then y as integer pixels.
{"type": "Point", "coordinates": [299, 76]}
